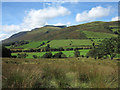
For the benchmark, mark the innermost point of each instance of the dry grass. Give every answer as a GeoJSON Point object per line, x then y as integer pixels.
{"type": "Point", "coordinates": [60, 73]}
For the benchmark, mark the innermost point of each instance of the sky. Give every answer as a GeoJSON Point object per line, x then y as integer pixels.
{"type": "Point", "coordinates": [25, 16]}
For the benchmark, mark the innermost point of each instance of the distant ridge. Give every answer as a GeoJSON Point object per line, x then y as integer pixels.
{"type": "Point", "coordinates": [83, 31]}
{"type": "Point", "coordinates": [62, 26]}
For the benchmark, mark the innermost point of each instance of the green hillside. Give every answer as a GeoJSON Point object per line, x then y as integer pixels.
{"type": "Point", "coordinates": [33, 44]}
{"type": "Point", "coordinates": [83, 31]}
{"type": "Point", "coordinates": [69, 43]}
{"type": "Point", "coordinates": [64, 43]}
{"type": "Point", "coordinates": [91, 34]}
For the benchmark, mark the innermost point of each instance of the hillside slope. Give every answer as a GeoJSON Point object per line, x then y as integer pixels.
{"type": "Point", "coordinates": [82, 31]}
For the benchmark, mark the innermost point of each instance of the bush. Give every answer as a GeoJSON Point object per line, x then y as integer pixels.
{"type": "Point", "coordinates": [35, 56]}
{"type": "Point", "coordinates": [77, 53]}
{"type": "Point", "coordinates": [14, 56]}
{"type": "Point", "coordinates": [59, 55]}
{"type": "Point", "coordinates": [82, 55]}
{"type": "Point", "coordinates": [22, 55]}
{"type": "Point", "coordinates": [47, 55]}
{"type": "Point", "coordinates": [87, 56]}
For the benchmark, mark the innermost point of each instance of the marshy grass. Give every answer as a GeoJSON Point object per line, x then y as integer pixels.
{"type": "Point", "coordinates": [59, 73]}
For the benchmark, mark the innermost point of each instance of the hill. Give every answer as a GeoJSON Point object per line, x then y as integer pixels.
{"type": "Point", "coordinates": [97, 29]}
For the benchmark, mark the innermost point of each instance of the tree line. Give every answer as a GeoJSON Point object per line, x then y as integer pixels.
{"type": "Point", "coordinates": [108, 48]}
{"type": "Point", "coordinates": [46, 49]}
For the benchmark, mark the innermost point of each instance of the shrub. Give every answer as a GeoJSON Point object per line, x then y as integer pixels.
{"type": "Point", "coordinates": [47, 55]}
{"type": "Point", "coordinates": [57, 55]}
{"type": "Point", "coordinates": [77, 53]}
{"type": "Point", "coordinates": [87, 56]}
{"type": "Point", "coordinates": [22, 55]}
{"type": "Point", "coordinates": [82, 55]}
{"type": "Point", "coordinates": [34, 56]}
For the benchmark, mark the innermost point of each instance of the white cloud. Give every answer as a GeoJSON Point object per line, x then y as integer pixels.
{"type": "Point", "coordinates": [96, 12]}
{"type": "Point", "coordinates": [3, 36]}
{"type": "Point", "coordinates": [68, 23]}
{"type": "Point", "coordinates": [48, 3]}
{"type": "Point", "coordinates": [61, 24]}
{"type": "Point", "coordinates": [35, 19]}
{"type": "Point", "coordinates": [115, 18]}
{"type": "Point", "coordinates": [58, 24]}
{"type": "Point", "coordinates": [10, 28]}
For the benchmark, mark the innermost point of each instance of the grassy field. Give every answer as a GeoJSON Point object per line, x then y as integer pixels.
{"type": "Point", "coordinates": [60, 43]}
{"type": "Point", "coordinates": [65, 43]}
{"type": "Point", "coordinates": [67, 53]}
{"type": "Point", "coordinates": [33, 44]}
{"type": "Point", "coordinates": [90, 34]}
{"type": "Point", "coordinates": [115, 28]}
{"type": "Point", "coordinates": [69, 43]}
{"type": "Point", "coordinates": [59, 73]}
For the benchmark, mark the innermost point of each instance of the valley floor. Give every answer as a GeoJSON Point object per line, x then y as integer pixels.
{"type": "Point", "coordinates": [59, 73]}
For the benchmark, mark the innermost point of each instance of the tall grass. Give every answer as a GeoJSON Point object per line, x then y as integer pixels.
{"type": "Point", "coordinates": [60, 73]}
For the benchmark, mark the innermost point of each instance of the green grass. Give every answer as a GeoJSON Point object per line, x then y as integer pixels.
{"type": "Point", "coordinates": [115, 28]}
{"type": "Point", "coordinates": [117, 56]}
{"type": "Point", "coordinates": [91, 34]}
{"type": "Point", "coordinates": [8, 46]}
{"type": "Point", "coordinates": [69, 43]}
{"type": "Point", "coordinates": [59, 73]}
{"type": "Point", "coordinates": [97, 41]}
{"type": "Point", "coordinates": [67, 53]}
{"type": "Point", "coordinates": [65, 43]}
{"type": "Point", "coordinates": [33, 44]}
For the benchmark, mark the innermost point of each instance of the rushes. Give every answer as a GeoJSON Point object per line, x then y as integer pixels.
{"type": "Point", "coordinates": [69, 73]}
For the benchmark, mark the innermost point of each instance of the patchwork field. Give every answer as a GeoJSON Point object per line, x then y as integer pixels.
{"type": "Point", "coordinates": [67, 53]}
{"type": "Point", "coordinates": [69, 43]}
{"type": "Point", "coordinates": [91, 34]}
{"type": "Point", "coordinates": [59, 43]}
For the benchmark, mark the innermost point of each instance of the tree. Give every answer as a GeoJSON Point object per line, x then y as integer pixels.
{"type": "Point", "coordinates": [93, 44]}
{"type": "Point", "coordinates": [93, 53]}
{"type": "Point", "coordinates": [47, 48]}
{"type": "Point", "coordinates": [77, 53]}
{"type": "Point", "coordinates": [22, 55]}
{"type": "Point", "coordinates": [59, 55]}
{"type": "Point", "coordinates": [107, 47]}
{"type": "Point", "coordinates": [118, 44]}
{"type": "Point", "coordinates": [63, 56]}
{"type": "Point", "coordinates": [34, 56]}
{"type": "Point", "coordinates": [5, 52]}
{"type": "Point", "coordinates": [47, 55]}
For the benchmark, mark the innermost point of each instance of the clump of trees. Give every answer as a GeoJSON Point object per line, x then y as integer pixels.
{"type": "Point", "coordinates": [22, 55]}
{"type": "Point", "coordinates": [47, 55]}
{"type": "Point", "coordinates": [108, 47]}
{"type": "Point", "coordinates": [77, 53]}
{"type": "Point", "coordinates": [5, 52]}
{"type": "Point", "coordinates": [19, 43]}
{"type": "Point", "coordinates": [35, 56]}
{"type": "Point", "coordinates": [57, 55]}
